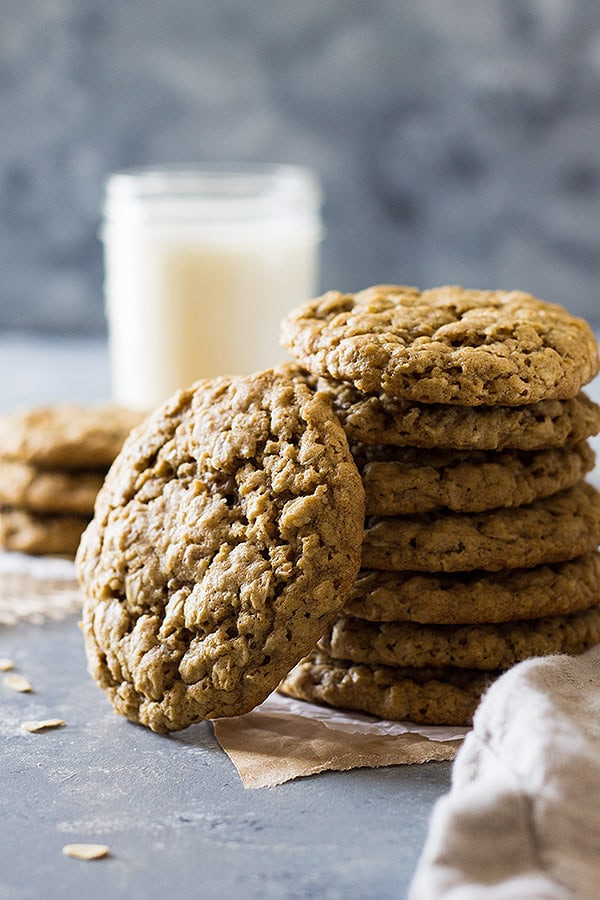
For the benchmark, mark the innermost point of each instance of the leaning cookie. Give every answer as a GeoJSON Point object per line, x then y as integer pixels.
{"type": "Point", "coordinates": [42, 490]}
{"type": "Point", "coordinates": [408, 480]}
{"type": "Point", "coordinates": [66, 436]}
{"type": "Point", "coordinates": [40, 533]}
{"type": "Point", "coordinates": [483, 647]}
{"type": "Point", "coordinates": [226, 537]}
{"type": "Point", "coordinates": [461, 598]}
{"type": "Point", "coordinates": [551, 530]}
{"type": "Point", "coordinates": [445, 345]}
{"type": "Point", "coordinates": [442, 696]}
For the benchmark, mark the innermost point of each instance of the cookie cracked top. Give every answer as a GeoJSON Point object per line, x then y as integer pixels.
{"type": "Point", "coordinates": [226, 537]}
{"type": "Point", "coordinates": [444, 345]}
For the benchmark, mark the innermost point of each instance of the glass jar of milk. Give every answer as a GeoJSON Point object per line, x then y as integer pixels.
{"type": "Point", "coordinates": [201, 265]}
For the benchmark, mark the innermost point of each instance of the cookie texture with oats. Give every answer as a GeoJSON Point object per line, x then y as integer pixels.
{"type": "Point", "coordinates": [461, 598]}
{"type": "Point", "coordinates": [226, 538]}
{"type": "Point", "coordinates": [402, 481]}
{"type": "Point", "coordinates": [43, 490]}
{"type": "Point", "coordinates": [445, 345]}
{"type": "Point", "coordinates": [554, 529]}
{"type": "Point", "coordinates": [433, 696]}
{"type": "Point", "coordinates": [485, 647]}
{"type": "Point", "coordinates": [66, 436]}
{"type": "Point", "coordinates": [40, 533]}
{"type": "Point", "coordinates": [378, 419]}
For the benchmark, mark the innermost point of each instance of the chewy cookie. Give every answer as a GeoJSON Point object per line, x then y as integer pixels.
{"type": "Point", "coordinates": [446, 345]}
{"type": "Point", "coordinates": [406, 480]}
{"type": "Point", "coordinates": [468, 425]}
{"type": "Point", "coordinates": [483, 647]}
{"type": "Point", "coordinates": [429, 696]}
{"type": "Point", "coordinates": [29, 532]}
{"type": "Point", "coordinates": [463, 598]}
{"type": "Point", "coordinates": [41, 490]}
{"type": "Point", "coordinates": [66, 436]}
{"type": "Point", "coordinates": [226, 538]}
{"type": "Point", "coordinates": [551, 530]}
{"type": "Point", "coordinates": [378, 419]}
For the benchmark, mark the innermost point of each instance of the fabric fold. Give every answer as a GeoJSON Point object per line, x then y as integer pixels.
{"type": "Point", "coordinates": [522, 819]}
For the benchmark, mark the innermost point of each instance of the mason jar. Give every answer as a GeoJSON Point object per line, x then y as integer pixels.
{"type": "Point", "coordinates": [201, 265]}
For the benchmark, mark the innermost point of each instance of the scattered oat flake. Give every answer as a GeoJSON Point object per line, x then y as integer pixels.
{"type": "Point", "coordinates": [42, 725]}
{"type": "Point", "coordinates": [85, 851]}
{"type": "Point", "coordinates": [18, 683]}
{"type": "Point", "coordinates": [6, 665]}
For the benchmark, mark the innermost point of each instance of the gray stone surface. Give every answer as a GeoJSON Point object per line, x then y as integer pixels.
{"type": "Point", "coordinates": [172, 809]}
{"type": "Point", "coordinates": [457, 142]}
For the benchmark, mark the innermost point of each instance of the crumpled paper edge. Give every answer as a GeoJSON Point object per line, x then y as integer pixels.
{"type": "Point", "coordinates": [275, 743]}
{"type": "Point", "coordinates": [352, 721]}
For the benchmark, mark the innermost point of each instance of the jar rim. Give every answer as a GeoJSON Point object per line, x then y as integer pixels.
{"type": "Point", "coordinates": [207, 188]}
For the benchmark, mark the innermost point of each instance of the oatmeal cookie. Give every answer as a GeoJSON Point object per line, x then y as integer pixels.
{"type": "Point", "coordinates": [402, 481]}
{"type": "Point", "coordinates": [38, 533]}
{"type": "Point", "coordinates": [485, 647]}
{"type": "Point", "coordinates": [226, 537]}
{"type": "Point", "coordinates": [377, 419]}
{"type": "Point", "coordinates": [462, 598]}
{"type": "Point", "coordinates": [433, 696]}
{"type": "Point", "coordinates": [445, 345]}
{"type": "Point", "coordinates": [551, 530]}
{"type": "Point", "coordinates": [66, 436]}
{"type": "Point", "coordinates": [42, 490]}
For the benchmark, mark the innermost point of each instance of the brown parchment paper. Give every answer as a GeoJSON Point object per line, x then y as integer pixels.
{"type": "Point", "coordinates": [285, 739]}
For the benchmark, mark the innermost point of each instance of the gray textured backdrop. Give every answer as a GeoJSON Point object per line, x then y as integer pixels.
{"type": "Point", "coordinates": [457, 140]}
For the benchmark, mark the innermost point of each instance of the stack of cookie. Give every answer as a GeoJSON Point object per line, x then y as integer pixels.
{"type": "Point", "coordinates": [465, 416]}
{"type": "Point", "coordinates": [53, 460]}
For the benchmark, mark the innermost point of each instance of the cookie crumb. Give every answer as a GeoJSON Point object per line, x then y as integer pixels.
{"type": "Point", "coordinates": [85, 851]}
{"type": "Point", "coordinates": [36, 726]}
{"type": "Point", "coordinates": [18, 683]}
{"type": "Point", "coordinates": [6, 665]}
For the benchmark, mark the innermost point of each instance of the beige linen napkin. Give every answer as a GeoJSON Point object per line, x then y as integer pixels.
{"type": "Point", "coordinates": [522, 819]}
{"type": "Point", "coordinates": [284, 739]}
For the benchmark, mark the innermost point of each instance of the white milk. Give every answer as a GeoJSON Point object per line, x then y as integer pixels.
{"type": "Point", "coordinates": [200, 268]}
